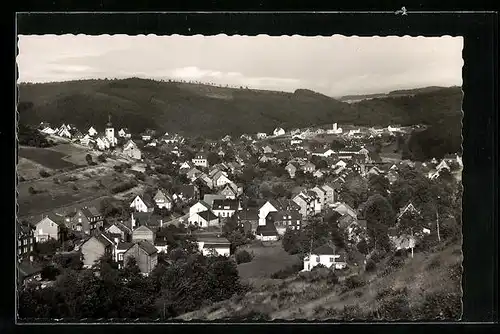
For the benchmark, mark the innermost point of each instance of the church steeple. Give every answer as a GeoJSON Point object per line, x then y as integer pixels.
{"type": "Point", "coordinates": [109, 125]}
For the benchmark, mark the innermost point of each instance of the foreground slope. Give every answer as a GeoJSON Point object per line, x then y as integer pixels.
{"type": "Point", "coordinates": [211, 111]}
{"type": "Point", "coordinates": [423, 288]}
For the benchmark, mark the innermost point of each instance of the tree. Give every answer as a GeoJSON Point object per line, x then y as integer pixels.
{"type": "Point", "coordinates": [378, 184]}
{"type": "Point", "coordinates": [379, 216]}
{"type": "Point", "coordinates": [243, 257]}
{"type": "Point", "coordinates": [49, 273]}
{"type": "Point", "coordinates": [88, 158]}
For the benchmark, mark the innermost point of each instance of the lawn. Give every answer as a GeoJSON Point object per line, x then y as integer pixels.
{"type": "Point", "coordinates": [46, 157]}
{"type": "Point", "coordinates": [267, 260]}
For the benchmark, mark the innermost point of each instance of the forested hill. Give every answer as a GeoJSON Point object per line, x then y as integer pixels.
{"type": "Point", "coordinates": [198, 109]}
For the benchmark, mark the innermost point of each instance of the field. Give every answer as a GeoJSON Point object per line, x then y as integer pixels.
{"type": "Point", "coordinates": [267, 260]}
{"type": "Point", "coordinates": [81, 185]}
{"type": "Point", "coordinates": [425, 287]}
{"type": "Point", "coordinates": [49, 158]}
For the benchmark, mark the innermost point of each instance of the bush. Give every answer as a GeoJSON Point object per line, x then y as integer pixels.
{"type": "Point", "coordinates": [74, 187]}
{"type": "Point", "coordinates": [140, 176]}
{"type": "Point", "coordinates": [370, 265]}
{"type": "Point", "coordinates": [435, 263]}
{"type": "Point", "coordinates": [124, 186]}
{"type": "Point", "coordinates": [101, 158]}
{"type": "Point", "coordinates": [32, 190]}
{"type": "Point", "coordinates": [44, 173]}
{"type": "Point", "coordinates": [56, 180]}
{"type": "Point", "coordinates": [396, 308]}
{"type": "Point", "coordinates": [332, 278]}
{"type": "Point", "coordinates": [441, 306]}
{"type": "Point", "coordinates": [21, 179]}
{"type": "Point", "coordinates": [288, 271]}
{"type": "Point", "coordinates": [353, 282]}
{"type": "Point", "coordinates": [243, 257]}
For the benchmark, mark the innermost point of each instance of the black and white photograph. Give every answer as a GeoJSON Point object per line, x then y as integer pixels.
{"type": "Point", "coordinates": [239, 178]}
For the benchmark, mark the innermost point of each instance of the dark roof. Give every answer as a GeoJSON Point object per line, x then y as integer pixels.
{"type": "Point", "coordinates": [283, 215]}
{"type": "Point", "coordinates": [324, 250]}
{"type": "Point", "coordinates": [24, 229]}
{"type": "Point", "coordinates": [284, 204]}
{"type": "Point", "coordinates": [212, 245]}
{"type": "Point", "coordinates": [187, 190]}
{"type": "Point", "coordinates": [248, 214]}
{"type": "Point", "coordinates": [90, 212]}
{"type": "Point", "coordinates": [201, 155]}
{"type": "Point", "coordinates": [148, 247]}
{"type": "Point", "coordinates": [207, 215]}
{"type": "Point", "coordinates": [104, 240]}
{"type": "Point", "coordinates": [221, 204]}
{"type": "Point", "coordinates": [266, 230]}
{"type": "Point", "coordinates": [124, 245]}
{"type": "Point", "coordinates": [148, 219]}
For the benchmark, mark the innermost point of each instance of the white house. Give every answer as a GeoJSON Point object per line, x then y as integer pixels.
{"type": "Point", "coordinates": [296, 140]}
{"type": "Point", "coordinates": [92, 132]}
{"type": "Point", "coordinates": [321, 193]}
{"type": "Point", "coordinates": [220, 179]}
{"type": "Point", "coordinates": [261, 135]}
{"type": "Point", "coordinates": [140, 205]}
{"type": "Point", "coordinates": [225, 207]}
{"type": "Point", "coordinates": [393, 129]}
{"type": "Point", "coordinates": [163, 200]}
{"type": "Point", "coordinates": [132, 151]}
{"type": "Point", "coordinates": [86, 140]}
{"type": "Point", "coordinates": [48, 130]}
{"type": "Point", "coordinates": [324, 255]}
{"type": "Point", "coordinates": [343, 209]}
{"type": "Point", "coordinates": [204, 219]}
{"type": "Point", "coordinates": [45, 229]}
{"type": "Point", "coordinates": [200, 206]}
{"type": "Point", "coordinates": [200, 160]}
{"type": "Point", "coordinates": [124, 133]}
{"type": "Point", "coordinates": [213, 245]}
{"type": "Point", "coordinates": [334, 130]}
{"type": "Point", "coordinates": [323, 153]}
{"type": "Point", "coordinates": [102, 143]}
{"type": "Point", "coordinates": [278, 132]}
{"type": "Point", "coordinates": [110, 133]}
{"type": "Point", "coordinates": [269, 206]}
{"type": "Point", "coordinates": [64, 131]}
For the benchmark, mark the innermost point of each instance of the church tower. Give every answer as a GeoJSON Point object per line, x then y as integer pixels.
{"type": "Point", "coordinates": [110, 132]}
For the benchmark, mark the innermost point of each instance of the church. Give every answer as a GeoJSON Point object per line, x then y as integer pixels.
{"type": "Point", "coordinates": [108, 140]}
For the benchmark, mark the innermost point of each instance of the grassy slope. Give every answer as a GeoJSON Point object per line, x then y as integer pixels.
{"type": "Point", "coordinates": [296, 299]}
{"type": "Point", "coordinates": [206, 110]}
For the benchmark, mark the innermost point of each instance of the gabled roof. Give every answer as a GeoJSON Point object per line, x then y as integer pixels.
{"type": "Point", "coordinates": [208, 215]}
{"type": "Point", "coordinates": [248, 214]}
{"type": "Point", "coordinates": [124, 245]}
{"type": "Point", "coordinates": [148, 247]}
{"type": "Point", "coordinates": [283, 215]}
{"type": "Point", "coordinates": [221, 204]}
{"type": "Point", "coordinates": [143, 228]}
{"type": "Point", "coordinates": [188, 191]}
{"type": "Point", "coordinates": [205, 204]}
{"type": "Point", "coordinates": [90, 212]}
{"type": "Point", "coordinates": [284, 204]}
{"type": "Point", "coordinates": [208, 245]}
{"type": "Point", "coordinates": [266, 230]}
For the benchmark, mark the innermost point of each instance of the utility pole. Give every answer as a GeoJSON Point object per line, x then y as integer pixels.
{"type": "Point", "coordinates": [437, 226]}
{"type": "Point", "coordinates": [411, 246]}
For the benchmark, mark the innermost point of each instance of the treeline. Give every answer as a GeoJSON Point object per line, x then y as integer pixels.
{"type": "Point", "coordinates": [168, 106]}
{"type": "Point", "coordinates": [28, 136]}
{"type": "Point", "coordinates": [180, 283]}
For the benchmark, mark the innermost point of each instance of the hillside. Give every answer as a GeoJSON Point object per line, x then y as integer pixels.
{"type": "Point", "coordinates": [197, 109]}
{"type": "Point", "coordinates": [423, 288]}
{"type": "Point", "coordinates": [394, 93]}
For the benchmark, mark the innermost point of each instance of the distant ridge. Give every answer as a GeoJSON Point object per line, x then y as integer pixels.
{"type": "Point", "coordinates": [401, 92]}
{"type": "Point", "coordinates": [213, 111]}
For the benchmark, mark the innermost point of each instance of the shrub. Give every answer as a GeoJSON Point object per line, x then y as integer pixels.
{"type": "Point", "coordinates": [352, 312]}
{"type": "Point", "coordinates": [140, 176]}
{"type": "Point", "coordinates": [358, 294]}
{"type": "Point", "coordinates": [101, 158]}
{"type": "Point", "coordinates": [123, 186]}
{"type": "Point", "coordinates": [441, 306]}
{"type": "Point", "coordinates": [396, 308]}
{"type": "Point", "coordinates": [21, 179]}
{"type": "Point", "coordinates": [32, 190]}
{"type": "Point", "coordinates": [87, 174]}
{"type": "Point", "coordinates": [353, 282]}
{"type": "Point", "coordinates": [332, 278]}
{"type": "Point", "coordinates": [243, 257]}
{"type": "Point", "coordinates": [56, 180]}
{"type": "Point", "coordinates": [288, 271]}
{"type": "Point", "coordinates": [435, 263]}
{"type": "Point", "coordinates": [44, 173]}
{"type": "Point", "coordinates": [370, 265]}
{"type": "Point", "coordinates": [74, 187]}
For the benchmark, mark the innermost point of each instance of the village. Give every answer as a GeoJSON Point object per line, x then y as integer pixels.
{"type": "Point", "coordinates": [265, 186]}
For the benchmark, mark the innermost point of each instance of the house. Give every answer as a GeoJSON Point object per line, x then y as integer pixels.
{"type": "Point", "coordinates": [267, 232]}
{"type": "Point", "coordinates": [193, 174]}
{"type": "Point", "coordinates": [324, 255]}
{"type": "Point", "coordinates": [225, 207]}
{"type": "Point", "coordinates": [185, 167]}
{"type": "Point", "coordinates": [209, 198]}
{"type": "Point", "coordinates": [305, 203]}
{"type": "Point", "coordinates": [25, 239]}
{"type": "Point", "coordinates": [393, 128]}
{"type": "Point", "coordinates": [161, 244]}
{"type": "Point", "coordinates": [200, 206]}
{"type": "Point", "coordinates": [150, 219]}
{"type": "Point", "coordinates": [131, 150]}
{"type": "Point", "coordinates": [200, 160]}
{"type": "Point", "coordinates": [47, 228]}
{"type": "Point", "coordinates": [285, 220]}
{"type": "Point", "coordinates": [145, 254]}
{"type": "Point", "coordinates": [409, 211]}
{"type": "Point", "coordinates": [374, 171]}
{"type": "Point", "coordinates": [64, 131]}
{"type": "Point", "coordinates": [296, 140]}
{"type": "Point", "coordinates": [316, 201]}
{"type": "Point", "coordinates": [278, 132]}
{"type": "Point", "coordinates": [120, 229]}
{"type": "Point", "coordinates": [248, 219]}
{"type": "Point", "coordinates": [124, 133]}
{"type": "Point", "coordinates": [48, 130]}
{"type": "Point", "coordinates": [205, 179]}
{"type": "Point", "coordinates": [86, 219]}
{"type": "Point", "coordinates": [91, 131]}
{"type": "Point", "coordinates": [344, 208]}
{"type": "Point", "coordinates": [213, 246]}
{"type": "Point", "coordinates": [186, 193]}
{"type": "Point", "coordinates": [226, 139]}
{"type": "Point", "coordinates": [345, 221]}
{"type": "Point", "coordinates": [142, 205]}
{"type": "Point", "coordinates": [334, 130]}
{"type": "Point", "coordinates": [321, 193]}
{"type": "Point", "coordinates": [143, 233]}
{"type": "Point", "coordinates": [329, 194]}
{"type": "Point", "coordinates": [308, 167]}
{"type": "Point", "coordinates": [163, 200]}
{"type": "Point", "coordinates": [267, 149]}
{"type": "Point", "coordinates": [28, 272]}
{"type": "Point", "coordinates": [220, 179]}
{"type": "Point", "coordinates": [318, 174]}
{"type": "Point", "coordinates": [95, 247]}
{"type": "Point", "coordinates": [204, 219]}
{"type": "Point", "coordinates": [102, 143]}
{"type": "Point", "coordinates": [261, 135]}
{"type": "Point", "coordinates": [323, 153]}
{"type": "Point", "coordinates": [230, 190]}
{"type": "Point", "coordinates": [275, 205]}
{"type": "Point", "coordinates": [120, 249]}
{"type": "Point", "coordinates": [292, 168]}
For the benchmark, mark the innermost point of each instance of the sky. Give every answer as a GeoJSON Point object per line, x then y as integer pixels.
{"type": "Point", "coordinates": [334, 66]}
